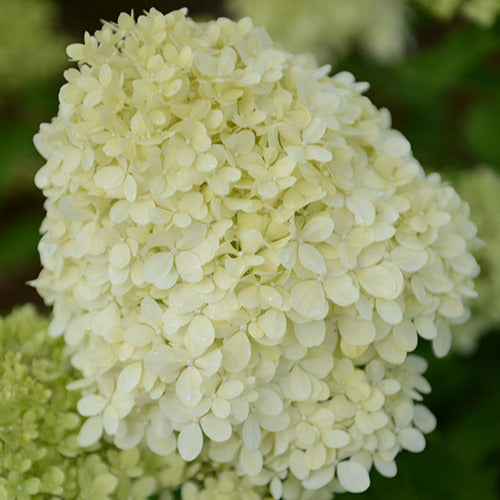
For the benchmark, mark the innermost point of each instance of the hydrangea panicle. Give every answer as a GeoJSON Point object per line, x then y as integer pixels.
{"type": "Point", "coordinates": [242, 253]}
{"type": "Point", "coordinates": [39, 453]}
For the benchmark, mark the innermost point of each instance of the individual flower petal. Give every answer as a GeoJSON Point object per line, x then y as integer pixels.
{"type": "Point", "coordinates": [269, 402]}
{"type": "Point", "coordinates": [363, 210]}
{"type": "Point", "coordinates": [341, 290]}
{"type": "Point", "coordinates": [311, 259]}
{"type": "Point", "coordinates": [157, 269]}
{"type": "Point", "coordinates": [190, 441]}
{"type": "Point", "coordinates": [91, 405]}
{"type": "Point", "coordinates": [138, 335]}
{"type": "Point", "coordinates": [236, 352]}
{"type": "Point", "coordinates": [251, 433]}
{"type": "Point", "coordinates": [90, 432]}
{"type": "Point", "coordinates": [389, 311]}
{"type": "Point", "coordinates": [353, 476]}
{"type": "Point", "coordinates": [310, 334]}
{"type": "Point", "coordinates": [129, 377]}
{"type": "Point", "coordinates": [109, 178]}
{"type": "Point", "coordinates": [317, 229]}
{"type": "Point", "coordinates": [251, 461]}
{"type": "Point", "coordinates": [274, 323]}
{"type": "Point", "coordinates": [412, 439]}
{"type": "Point", "coordinates": [188, 386]}
{"type": "Point", "coordinates": [356, 331]}
{"type": "Point", "coordinates": [189, 267]}
{"type": "Point", "coordinates": [216, 429]}
{"type": "Point", "coordinates": [384, 280]}
{"type": "Point", "coordinates": [308, 299]}
{"type": "Point", "coordinates": [200, 335]}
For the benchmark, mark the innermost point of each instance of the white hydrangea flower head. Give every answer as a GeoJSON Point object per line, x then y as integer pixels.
{"type": "Point", "coordinates": [241, 254]}
{"type": "Point", "coordinates": [332, 28]}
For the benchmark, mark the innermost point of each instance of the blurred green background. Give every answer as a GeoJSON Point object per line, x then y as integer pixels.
{"type": "Point", "coordinates": [444, 94]}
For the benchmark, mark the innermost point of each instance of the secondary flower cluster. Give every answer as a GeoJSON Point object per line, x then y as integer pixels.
{"type": "Point", "coordinates": [483, 12]}
{"type": "Point", "coordinates": [480, 187]}
{"type": "Point", "coordinates": [241, 253]}
{"type": "Point", "coordinates": [39, 453]}
{"type": "Point", "coordinates": [379, 28]}
{"type": "Point", "coordinates": [29, 46]}
{"type": "Point", "coordinates": [333, 28]}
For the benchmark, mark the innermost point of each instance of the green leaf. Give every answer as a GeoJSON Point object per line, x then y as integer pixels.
{"type": "Point", "coordinates": [482, 130]}
{"type": "Point", "coordinates": [19, 240]}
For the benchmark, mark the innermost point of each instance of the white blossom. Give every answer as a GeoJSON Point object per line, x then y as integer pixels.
{"type": "Point", "coordinates": [241, 254]}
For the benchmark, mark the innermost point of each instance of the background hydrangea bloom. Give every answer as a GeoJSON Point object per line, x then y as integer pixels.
{"type": "Point", "coordinates": [480, 187]}
{"type": "Point", "coordinates": [332, 29]}
{"type": "Point", "coordinates": [29, 48]}
{"type": "Point", "coordinates": [378, 27]}
{"type": "Point", "coordinates": [39, 452]}
{"type": "Point", "coordinates": [241, 253]}
{"type": "Point", "coordinates": [483, 12]}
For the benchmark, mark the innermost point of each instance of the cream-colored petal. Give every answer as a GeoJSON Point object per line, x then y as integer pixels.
{"type": "Point", "coordinates": [308, 299]}
{"type": "Point", "coordinates": [92, 405]}
{"type": "Point", "coordinates": [412, 439]}
{"type": "Point", "coordinates": [356, 331]}
{"type": "Point", "coordinates": [269, 402]}
{"type": "Point", "coordinates": [109, 178]}
{"type": "Point", "coordinates": [163, 361]}
{"type": "Point", "coordinates": [216, 429]}
{"type": "Point", "coordinates": [310, 334]}
{"type": "Point", "coordinates": [236, 352]}
{"type": "Point", "coordinates": [200, 335]}
{"type": "Point", "coordinates": [251, 461]}
{"type": "Point", "coordinates": [188, 386]}
{"type": "Point", "coordinates": [311, 259]}
{"type": "Point", "coordinates": [190, 441]}
{"type": "Point", "coordinates": [209, 362]}
{"type": "Point", "coordinates": [384, 280]}
{"type": "Point", "coordinates": [90, 432]}
{"type": "Point", "coordinates": [189, 267]}
{"type": "Point", "coordinates": [363, 210]}
{"type": "Point", "coordinates": [138, 335]}
{"type": "Point", "coordinates": [408, 259]}
{"type": "Point", "coordinates": [251, 433]}
{"type": "Point", "coordinates": [157, 269]}
{"type": "Point", "coordinates": [273, 322]}
{"type": "Point", "coordinates": [129, 377]}
{"type": "Point", "coordinates": [389, 311]}
{"type": "Point", "coordinates": [162, 446]}
{"type": "Point", "coordinates": [317, 229]}
{"type": "Point", "coordinates": [353, 476]}
{"type": "Point", "coordinates": [320, 478]}
{"type": "Point", "coordinates": [341, 290]}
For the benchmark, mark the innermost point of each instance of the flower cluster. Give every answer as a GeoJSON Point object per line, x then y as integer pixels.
{"type": "Point", "coordinates": [39, 452]}
{"type": "Point", "coordinates": [480, 187]}
{"type": "Point", "coordinates": [29, 45]}
{"type": "Point", "coordinates": [482, 12]}
{"type": "Point", "coordinates": [333, 27]}
{"type": "Point", "coordinates": [241, 254]}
